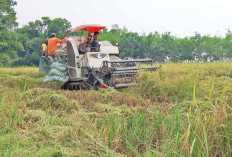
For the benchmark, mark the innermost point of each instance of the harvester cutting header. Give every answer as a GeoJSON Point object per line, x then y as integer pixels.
{"type": "Point", "coordinates": [93, 65]}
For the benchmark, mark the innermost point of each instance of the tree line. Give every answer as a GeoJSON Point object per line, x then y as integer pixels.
{"type": "Point", "coordinates": [22, 45]}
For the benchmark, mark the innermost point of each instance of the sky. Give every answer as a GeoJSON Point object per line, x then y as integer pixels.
{"type": "Point", "coordinates": [180, 17]}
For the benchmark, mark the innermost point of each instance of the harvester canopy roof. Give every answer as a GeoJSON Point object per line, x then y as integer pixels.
{"type": "Point", "coordinates": [90, 28]}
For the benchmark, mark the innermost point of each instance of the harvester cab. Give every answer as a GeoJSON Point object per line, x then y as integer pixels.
{"type": "Point", "coordinates": [101, 69]}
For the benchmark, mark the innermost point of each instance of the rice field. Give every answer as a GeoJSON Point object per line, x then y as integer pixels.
{"type": "Point", "coordinates": [180, 110]}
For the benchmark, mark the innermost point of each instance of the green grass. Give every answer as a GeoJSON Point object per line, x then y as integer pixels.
{"type": "Point", "coordinates": [180, 110]}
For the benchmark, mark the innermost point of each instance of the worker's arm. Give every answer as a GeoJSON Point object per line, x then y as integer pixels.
{"type": "Point", "coordinates": [60, 41]}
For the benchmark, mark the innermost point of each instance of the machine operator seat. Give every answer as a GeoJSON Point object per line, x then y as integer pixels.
{"type": "Point", "coordinates": [79, 40]}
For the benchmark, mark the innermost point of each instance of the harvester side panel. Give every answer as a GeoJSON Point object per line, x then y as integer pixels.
{"type": "Point", "coordinates": [73, 60]}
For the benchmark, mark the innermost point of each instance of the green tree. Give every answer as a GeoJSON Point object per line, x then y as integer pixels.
{"type": "Point", "coordinates": [9, 44]}
{"type": "Point", "coordinates": [59, 26]}
{"type": "Point", "coordinates": [7, 14]}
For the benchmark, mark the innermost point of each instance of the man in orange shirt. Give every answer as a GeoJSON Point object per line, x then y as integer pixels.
{"type": "Point", "coordinates": [52, 43]}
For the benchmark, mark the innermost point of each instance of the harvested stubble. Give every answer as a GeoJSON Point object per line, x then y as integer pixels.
{"type": "Point", "coordinates": [180, 110]}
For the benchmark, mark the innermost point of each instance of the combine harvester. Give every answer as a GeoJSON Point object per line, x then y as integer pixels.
{"type": "Point", "coordinates": [102, 69]}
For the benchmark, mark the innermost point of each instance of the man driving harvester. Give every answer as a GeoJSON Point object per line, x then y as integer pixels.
{"type": "Point", "coordinates": [52, 45]}
{"type": "Point", "coordinates": [94, 44]}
